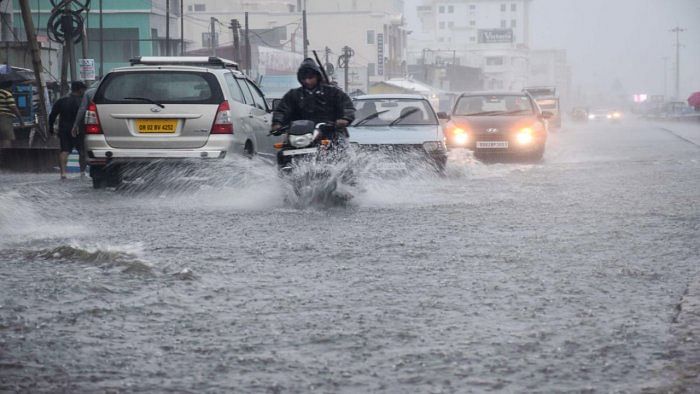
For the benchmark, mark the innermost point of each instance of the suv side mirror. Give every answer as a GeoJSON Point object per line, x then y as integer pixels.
{"type": "Point", "coordinates": [443, 116]}
{"type": "Point", "coordinates": [547, 115]}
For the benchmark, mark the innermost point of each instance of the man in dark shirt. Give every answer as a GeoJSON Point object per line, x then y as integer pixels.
{"type": "Point", "coordinates": [66, 108]}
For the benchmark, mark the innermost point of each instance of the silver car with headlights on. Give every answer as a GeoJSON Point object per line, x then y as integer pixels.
{"type": "Point", "coordinates": [402, 129]}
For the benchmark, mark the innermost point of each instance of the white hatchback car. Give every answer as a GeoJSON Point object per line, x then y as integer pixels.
{"type": "Point", "coordinates": [174, 109]}
{"type": "Point", "coordinates": [399, 127]}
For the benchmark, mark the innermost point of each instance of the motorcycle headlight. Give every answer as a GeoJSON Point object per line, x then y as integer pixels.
{"type": "Point", "coordinates": [301, 141]}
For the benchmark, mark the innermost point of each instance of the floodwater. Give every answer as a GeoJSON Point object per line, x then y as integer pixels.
{"type": "Point", "coordinates": [558, 276]}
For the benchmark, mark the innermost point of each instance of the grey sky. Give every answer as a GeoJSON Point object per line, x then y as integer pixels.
{"type": "Point", "coordinates": [625, 39]}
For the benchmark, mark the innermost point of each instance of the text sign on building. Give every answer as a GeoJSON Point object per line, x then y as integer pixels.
{"type": "Point", "coordinates": [87, 69]}
{"type": "Point", "coordinates": [495, 36]}
{"type": "Point", "coordinates": [380, 54]}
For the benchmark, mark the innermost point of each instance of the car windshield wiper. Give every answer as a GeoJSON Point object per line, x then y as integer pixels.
{"type": "Point", "coordinates": [370, 117]}
{"type": "Point", "coordinates": [144, 99]}
{"type": "Point", "coordinates": [515, 112]}
{"type": "Point", "coordinates": [485, 113]}
{"type": "Point", "coordinates": [404, 116]}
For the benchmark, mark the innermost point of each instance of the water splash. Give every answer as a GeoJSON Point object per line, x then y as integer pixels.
{"type": "Point", "coordinates": [22, 220]}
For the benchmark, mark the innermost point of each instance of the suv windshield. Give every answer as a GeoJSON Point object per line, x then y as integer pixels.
{"type": "Point", "coordinates": [162, 87]}
{"type": "Point", "coordinates": [393, 112]}
{"type": "Point", "coordinates": [493, 105]}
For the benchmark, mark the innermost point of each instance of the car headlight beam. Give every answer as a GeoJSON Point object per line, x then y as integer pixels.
{"type": "Point", "coordinates": [524, 136]}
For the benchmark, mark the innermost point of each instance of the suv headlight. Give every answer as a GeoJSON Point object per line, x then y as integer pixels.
{"type": "Point", "coordinates": [301, 141]}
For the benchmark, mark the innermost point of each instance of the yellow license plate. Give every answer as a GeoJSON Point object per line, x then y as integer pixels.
{"type": "Point", "coordinates": [156, 125]}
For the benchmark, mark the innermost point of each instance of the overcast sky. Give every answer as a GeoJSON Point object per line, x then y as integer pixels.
{"type": "Point", "coordinates": [625, 39]}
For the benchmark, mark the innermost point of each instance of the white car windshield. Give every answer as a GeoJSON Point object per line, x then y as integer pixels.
{"type": "Point", "coordinates": [394, 112]}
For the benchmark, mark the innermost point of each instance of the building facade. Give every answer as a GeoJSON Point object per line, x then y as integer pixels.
{"type": "Point", "coordinates": [130, 28]}
{"type": "Point", "coordinates": [374, 29]}
{"type": "Point", "coordinates": [493, 35]}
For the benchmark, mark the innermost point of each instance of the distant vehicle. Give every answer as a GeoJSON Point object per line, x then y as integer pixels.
{"type": "Point", "coordinates": [403, 127]}
{"type": "Point", "coordinates": [495, 123]}
{"type": "Point", "coordinates": [548, 100]}
{"type": "Point", "coordinates": [579, 114]}
{"type": "Point", "coordinates": [601, 114]}
{"type": "Point", "coordinates": [174, 109]}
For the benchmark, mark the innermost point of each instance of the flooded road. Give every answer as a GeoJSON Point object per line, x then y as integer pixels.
{"type": "Point", "coordinates": [558, 276]}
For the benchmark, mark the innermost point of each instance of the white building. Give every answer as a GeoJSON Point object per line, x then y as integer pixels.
{"type": "Point", "coordinates": [374, 29]}
{"type": "Point", "coordinates": [493, 35]}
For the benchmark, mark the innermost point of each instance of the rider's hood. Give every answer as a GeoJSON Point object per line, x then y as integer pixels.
{"type": "Point", "coordinates": [309, 65]}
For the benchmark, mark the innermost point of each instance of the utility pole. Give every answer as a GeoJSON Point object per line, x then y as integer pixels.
{"type": "Point", "coordinates": [102, 51]}
{"type": "Point", "coordinates": [68, 48]}
{"type": "Point", "coordinates": [678, 31]}
{"type": "Point", "coordinates": [36, 62]}
{"type": "Point", "coordinates": [167, 27]}
{"type": "Point", "coordinates": [182, 27]}
{"type": "Point", "coordinates": [248, 62]}
{"type": "Point", "coordinates": [344, 63]}
{"type": "Point", "coordinates": [212, 32]}
{"type": "Point", "coordinates": [85, 36]}
{"type": "Point", "coordinates": [305, 32]}
{"type": "Point", "coordinates": [328, 54]}
{"type": "Point", "coordinates": [235, 26]}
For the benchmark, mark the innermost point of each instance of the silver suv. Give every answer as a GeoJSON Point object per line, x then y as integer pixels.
{"type": "Point", "coordinates": [173, 108]}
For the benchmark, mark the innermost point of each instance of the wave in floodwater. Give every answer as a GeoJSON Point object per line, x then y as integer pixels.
{"type": "Point", "coordinates": [125, 258]}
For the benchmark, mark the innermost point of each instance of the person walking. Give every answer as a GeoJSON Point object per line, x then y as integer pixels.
{"type": "Point", "coordinates": [79, 124]}
{"type": "Point", "coordinates": [8, 111]}
{"type": "Point", "coordinates": [66, 108]}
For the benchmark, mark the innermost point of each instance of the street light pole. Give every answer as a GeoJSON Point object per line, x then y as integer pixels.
{"type": "Point", "coordinates": [678, 31]}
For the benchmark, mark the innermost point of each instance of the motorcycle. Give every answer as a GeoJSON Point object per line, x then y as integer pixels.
{"type": "Point", "coordinates": [314, 158]}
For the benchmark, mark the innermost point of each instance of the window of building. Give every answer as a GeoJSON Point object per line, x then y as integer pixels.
{"type": "Point", "coordinates": [450, 9]}
{"type": "Point", "coordinates": [503, 8]}
{"type": "Point", "coordinates": [494, 61]}
{"type": "Point", "coordinates": [442, 25]}
{"type": "Point", "coordinates": [371, 69]}
{"type": "Point", "coordinates": [512, 23]}
{"type": "Point", "coordinates": [370, 37]}
{"type": "Point", "coordinates": [442, 9]}
{"type": "Point", "coordinates": [472, 23]}
{"type": "Point", "coordinates": [451, 25]}
{"type": "Point", "coordinates": [440, 39]}
{"type": "Point", "coordinates": [200, 7]}
{"type": "Point", "coordinates": [503, 24]}
{"type": "Point", "coordinates": [513, 7]}
{"type": "Point", "coordinates": [472, 39]}
{"type": "Point", "coordinates": [472, 7]}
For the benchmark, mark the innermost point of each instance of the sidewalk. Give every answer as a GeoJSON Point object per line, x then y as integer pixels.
{"type": "Point", "coordinates": [688, 131]}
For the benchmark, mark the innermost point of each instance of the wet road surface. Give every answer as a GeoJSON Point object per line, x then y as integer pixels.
{"type": "Point", "coordinates": [559, 276]}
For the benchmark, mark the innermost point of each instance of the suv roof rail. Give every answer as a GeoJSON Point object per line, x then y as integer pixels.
{"type": "Point", "coordinates": [205, 61]}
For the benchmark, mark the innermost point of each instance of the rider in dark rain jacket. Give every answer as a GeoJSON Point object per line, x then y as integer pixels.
{"type": "Point", "coordinates": [314, 100]}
